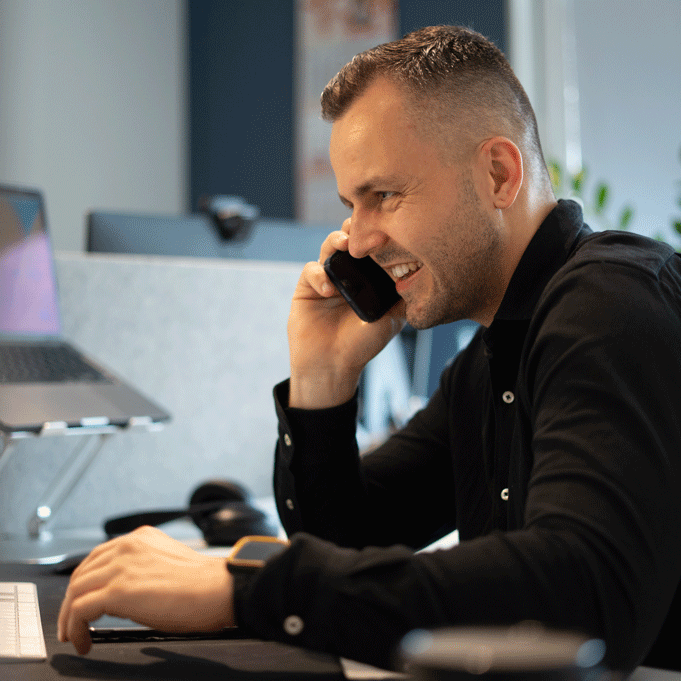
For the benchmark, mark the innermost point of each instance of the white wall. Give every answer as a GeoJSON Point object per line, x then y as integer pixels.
{"type": "Point", "coordinates": [604, 77]}
{"type": "Point", "coordinates": [93, 106]}
{"type": "Point", "coordinates": [629, 71]}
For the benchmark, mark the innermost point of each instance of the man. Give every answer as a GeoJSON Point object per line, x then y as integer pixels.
{"type": "Point", "coordinates": [552, 443]}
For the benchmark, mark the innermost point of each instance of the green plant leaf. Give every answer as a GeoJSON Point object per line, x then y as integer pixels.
{"type": "Point", "coordinates": [556, 175]}
{"type": "Point", "coordinates": [602, 192]}
{"type": "Point", "coordinates": [577, 181]}
{"type": "Point", "coordinates": [626, 217]}
{"type": "Point", "coordinates": [677, 226]}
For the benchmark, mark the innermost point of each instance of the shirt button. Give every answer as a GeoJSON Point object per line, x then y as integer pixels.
{"type": "Point", "coordinates": [504, 494]}
{"type": "Point", "coordinates": [287, 439]}
{"type": "Point", "coordinates": [508, 397]}
{"type": "Point", "coordinates": [289, 504]}
{"type": "Point", "coordinates": [293, 625]}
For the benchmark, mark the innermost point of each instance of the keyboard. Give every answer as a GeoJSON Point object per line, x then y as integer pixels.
{"type": "Point", "coordinates": [44, 364]}
{"type": "Point", "coordinates": [21, 633]}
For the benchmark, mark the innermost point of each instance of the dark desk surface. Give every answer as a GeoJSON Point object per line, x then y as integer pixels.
{"type": "Point", "coordinates": [240, 659]}
{"type": "Point", "coordinates": [208, 660]}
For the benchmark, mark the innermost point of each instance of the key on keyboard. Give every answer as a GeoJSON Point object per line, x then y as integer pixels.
{"type": "Point", "coordinates": [21, 633]}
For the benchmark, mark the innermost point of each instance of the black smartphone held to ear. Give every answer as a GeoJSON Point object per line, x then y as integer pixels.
{"type": "Point", "coordinates": [366, 286]}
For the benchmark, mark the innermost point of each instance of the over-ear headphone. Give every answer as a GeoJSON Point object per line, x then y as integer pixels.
{"type": "Point", "coordinates": [220, 508]}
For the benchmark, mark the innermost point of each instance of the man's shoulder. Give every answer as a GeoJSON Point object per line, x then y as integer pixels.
{"type": "Point", "coordinates": [619, 248]}
{"type": "Point", "coordinates": [614, 275]}
{"type": "Point", "coordinates": [617, 259]}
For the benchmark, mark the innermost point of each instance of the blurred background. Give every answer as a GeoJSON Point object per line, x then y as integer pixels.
{"type": "Point", "coordinates": [145, 106]}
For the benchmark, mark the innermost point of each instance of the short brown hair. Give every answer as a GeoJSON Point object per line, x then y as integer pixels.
{"type": "Point", "coordinates": [453, 75]}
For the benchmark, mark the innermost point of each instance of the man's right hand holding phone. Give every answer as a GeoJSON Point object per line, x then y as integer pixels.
{"type": "Point", "coordinates": [329, 344]}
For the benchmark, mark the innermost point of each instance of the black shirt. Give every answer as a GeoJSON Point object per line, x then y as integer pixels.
{"type": "Point", "coordinates": [553, 445]}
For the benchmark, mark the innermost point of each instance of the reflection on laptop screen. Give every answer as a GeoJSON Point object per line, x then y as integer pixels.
{"type": "Point", "coordinates": [28, 304]}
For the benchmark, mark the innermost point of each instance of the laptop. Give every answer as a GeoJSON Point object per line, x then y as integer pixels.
{"type": "Point", "coordinates": [45, 382]}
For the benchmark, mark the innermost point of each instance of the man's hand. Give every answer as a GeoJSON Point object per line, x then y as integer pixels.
{"type": "Point", "coordinates": [152, 579]}
{"type": "Point", "coordinates": [328, 343]}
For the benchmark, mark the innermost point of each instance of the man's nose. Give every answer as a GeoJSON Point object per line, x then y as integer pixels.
{"type": "Point", "coordinates": [364, 236]}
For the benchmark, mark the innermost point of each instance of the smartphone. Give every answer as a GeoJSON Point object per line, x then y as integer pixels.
{"type": "Point", "coordinates": [108, 629]}
{"type": "Point", "coordinates": [366, 286]}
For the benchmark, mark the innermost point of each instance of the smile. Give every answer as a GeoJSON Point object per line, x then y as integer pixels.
{"type": "Point", "coordinates": [405, 269]}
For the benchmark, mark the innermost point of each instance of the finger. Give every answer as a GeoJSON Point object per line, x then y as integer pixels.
{"type": "Point", "coordinates": [314, 282]}
{"type": "Point", "coordinates": [103, 565]}
{"type": "Point", "coordinates": [91, 573]}
{"type": "Point", "coordinates": [87, 582]}
{"type": "Point", "coordinates": [96, 559]}
{"type": "Point", "coordinates": [84, 610]}
{"type": "Point", "coordinates": [336, 241]}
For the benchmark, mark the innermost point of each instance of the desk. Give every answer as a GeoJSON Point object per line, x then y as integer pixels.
{"type": "Point", "coordinates": [238, 659]}
{"type": "Point", "coordinates": [226, 660]}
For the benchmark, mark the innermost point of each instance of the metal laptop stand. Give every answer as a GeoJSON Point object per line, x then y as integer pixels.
{"type": "Point", "coordinates": [40, 546]}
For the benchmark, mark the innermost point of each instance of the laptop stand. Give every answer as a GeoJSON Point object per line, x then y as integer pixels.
{"type": "Point", "coordinates": [40, 546]}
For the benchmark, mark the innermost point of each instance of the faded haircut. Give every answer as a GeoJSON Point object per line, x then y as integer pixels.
{"type": "Point", "coordinates": [459, 86]}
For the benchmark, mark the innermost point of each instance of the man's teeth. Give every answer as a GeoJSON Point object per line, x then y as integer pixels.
{"type": "Point", "coordinates": [402, 270]}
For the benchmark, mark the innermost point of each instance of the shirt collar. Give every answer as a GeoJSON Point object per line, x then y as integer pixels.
{"type": "Point", "coordinates": [546, 253]}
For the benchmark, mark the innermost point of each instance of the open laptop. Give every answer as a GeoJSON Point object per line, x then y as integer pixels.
{"type": "Point", "coordinates": [46, 383]}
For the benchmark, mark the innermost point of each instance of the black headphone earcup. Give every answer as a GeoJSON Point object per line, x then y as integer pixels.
{"type": "Point", "coordinates": [236, 518]}
{"type": "Point", "coordinates": [232, 522]}
{"type": "Point", "coordinates": [216, 491]}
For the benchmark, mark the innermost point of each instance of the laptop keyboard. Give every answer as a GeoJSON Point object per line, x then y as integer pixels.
{"type": "Point", "coordinates": [45, 364]}
{"type": "Point", "coordinates": [21, 632]}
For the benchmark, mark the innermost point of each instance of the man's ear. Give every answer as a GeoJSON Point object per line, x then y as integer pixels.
{"type": "Point", "coordinates": [502, 165]}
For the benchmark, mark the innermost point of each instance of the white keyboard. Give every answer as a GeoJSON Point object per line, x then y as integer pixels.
{"type": "Point", "coordinates": [21, 633]}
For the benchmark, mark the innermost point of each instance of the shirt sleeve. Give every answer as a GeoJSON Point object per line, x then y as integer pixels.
{"type": "Point", "coordinates": [401, 492]}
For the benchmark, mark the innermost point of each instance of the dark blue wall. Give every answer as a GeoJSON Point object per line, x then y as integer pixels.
{"type": "Point", "coordinates": [241, 101]}
{"type": "Point", "coordinates": [484, 16]}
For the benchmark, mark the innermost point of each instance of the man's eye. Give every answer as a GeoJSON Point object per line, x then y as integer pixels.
{"type": "Point", "coordinates": [386, 195]}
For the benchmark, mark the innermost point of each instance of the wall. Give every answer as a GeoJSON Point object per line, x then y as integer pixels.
{"type": "Point", "coordinates": [93, 106]}
{"type": "Point", "coordinates": [629, 71]}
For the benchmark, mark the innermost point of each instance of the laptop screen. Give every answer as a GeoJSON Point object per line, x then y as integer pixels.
{"type": "Point", "coordinates": [28, 304]}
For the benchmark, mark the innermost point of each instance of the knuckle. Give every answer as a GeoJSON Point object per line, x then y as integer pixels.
{"type": "Point", "coordinates": [146, 530]}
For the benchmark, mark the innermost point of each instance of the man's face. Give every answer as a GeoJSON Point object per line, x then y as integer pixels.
{"type": "Point", "coordinates": [421, 219]}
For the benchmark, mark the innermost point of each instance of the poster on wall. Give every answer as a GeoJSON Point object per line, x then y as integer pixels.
{"type": "Point", "coordinates": [329, 33]}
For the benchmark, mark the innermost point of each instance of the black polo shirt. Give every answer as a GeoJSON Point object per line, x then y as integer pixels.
{"type": "Point", "coordinates": [553, 445]}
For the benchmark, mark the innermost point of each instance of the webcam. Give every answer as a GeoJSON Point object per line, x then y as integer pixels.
{"type": "Point", "coordinates": [232, 217]}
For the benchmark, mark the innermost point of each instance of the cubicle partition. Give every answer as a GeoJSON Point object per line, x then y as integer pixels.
{"type": "Point", "coordinates": [207, 339]}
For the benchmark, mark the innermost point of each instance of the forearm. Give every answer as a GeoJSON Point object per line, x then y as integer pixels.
{"type": "Point", "coordinates": [403, 492]}
{"type": "Point", "coordinates": [316, 460]}
{"type": "Point", "coordinates": [321, 389]}
{"type": "Point", "coordinates": [379, 595]}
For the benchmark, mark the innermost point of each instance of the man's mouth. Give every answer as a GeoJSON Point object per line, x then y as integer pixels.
{"type": "Point", "coordinates": [404, 270]}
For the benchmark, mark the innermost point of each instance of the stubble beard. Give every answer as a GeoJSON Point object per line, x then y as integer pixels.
{"type": "Point", "coordinates": [467, 263]}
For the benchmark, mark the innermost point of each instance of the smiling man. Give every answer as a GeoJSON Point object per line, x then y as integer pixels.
{"type": "Point", "coordinates": [552, 443]}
